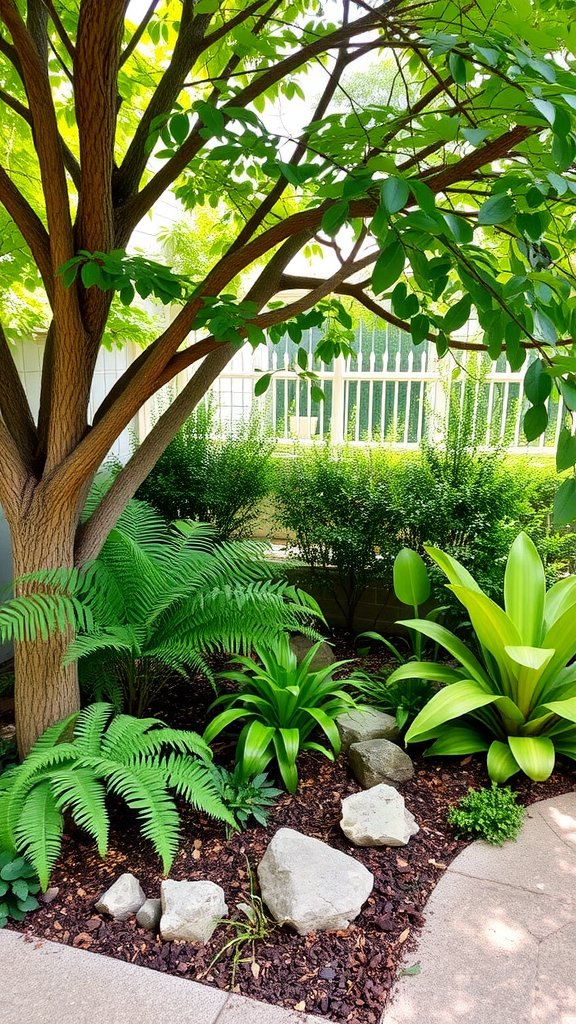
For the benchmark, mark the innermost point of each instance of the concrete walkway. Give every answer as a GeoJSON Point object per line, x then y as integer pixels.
{"type": "Point", "coordinates": [499, 944]}
{"type": "Point", "coordinates": [499, 947]}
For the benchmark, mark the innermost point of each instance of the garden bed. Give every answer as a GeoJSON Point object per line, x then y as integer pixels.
{"type": "Point", "coordinates": [344, 975]}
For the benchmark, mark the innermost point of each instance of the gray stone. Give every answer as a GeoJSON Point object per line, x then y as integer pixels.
{"type": "Point", "coordinates": [377, 817]}
{"type": "Point", "coordinates": [122, 899]}
{"type": "Point", "coordinates": [376, 761]}
{"type": "Point", "coordinates": [366, 724]}
{"type": "Point", "coordinates": [191, 910]}
{"type": "Point", "coordinates": [301, 645]}
{"type": "Point", "coordinates": [149, 915]}
{"type": "Point", "coordinates": [50, 894]}
{"type": "Point", "coordinates": [310, 886]}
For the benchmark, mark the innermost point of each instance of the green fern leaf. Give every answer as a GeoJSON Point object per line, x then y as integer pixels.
{"type": "Point", "coordinates": [80, 793]}
{"type": "Point", "coordinates": [145, 792]}
{"type": "Point", "coordinates": [39, 831]}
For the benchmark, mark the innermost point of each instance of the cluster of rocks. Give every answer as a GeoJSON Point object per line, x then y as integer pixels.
{"type": "Point", "coordinates": [185, 910]}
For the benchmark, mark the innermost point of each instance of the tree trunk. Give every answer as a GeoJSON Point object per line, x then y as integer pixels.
{"type": "Point", "coordinates": [45, 692]}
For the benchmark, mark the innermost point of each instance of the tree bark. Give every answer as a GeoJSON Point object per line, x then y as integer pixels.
{"type": "Point", "coordinates": [45, 691]}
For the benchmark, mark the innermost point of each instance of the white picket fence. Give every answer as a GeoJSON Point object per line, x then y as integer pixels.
{"type": "Point", "coordinates": [392, 393]}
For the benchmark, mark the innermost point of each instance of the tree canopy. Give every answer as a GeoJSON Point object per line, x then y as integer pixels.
{"type": "Point", "coordinates": [425, 149]}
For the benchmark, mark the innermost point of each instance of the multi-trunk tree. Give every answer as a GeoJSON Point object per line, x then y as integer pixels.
{"type": "Point", "coordinates": [449, 195]}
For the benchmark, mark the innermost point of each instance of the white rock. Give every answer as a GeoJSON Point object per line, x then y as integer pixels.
{"type": "Point", "coordinates": [377, 817]}
{"type": "Point", "coordinates": [122, 899]}
{"type": "Point", "coordinates": [191, 910]}
{"type": "Point", "coordinates": [149, 915]}
{"type": "Point", "coordinates": [310, 886]}
{"type": "Point", "coordinates": [366, 724]}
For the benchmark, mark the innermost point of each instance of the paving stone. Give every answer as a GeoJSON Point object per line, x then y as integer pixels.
{"type": "Point", "coordinates": [366, 724]}
{"type": "Point", "coordinates": [376, 761]}
{"type": "Point", "coordinates": [122, 899]}
{"type": "Point", "coordinates": [310, 886]}
{"type": "Point", "coordinates": [377, 817]}
{"type": "Point", "coordinates": [191, 910]}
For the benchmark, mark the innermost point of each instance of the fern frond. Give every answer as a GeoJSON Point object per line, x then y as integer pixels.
{"type": "Point", "coordinates": [124, 736]}
{"type": "Point", "coordinates": [80, 793]}
{"type": "Point", "coordinates": [144, 791]}
{"type": "Point", "coordinates": [179, 740]}
{"type": "Point", "coordinates": [39, 831]}
{"type": "Point", "coordinates": [125, 639]}
{"type": "Point", "coordinates": [90, 726]}
{"type": "Point", "coordinates": [196, 784]}
{"type": "Point", "coordinates": [37, 615]}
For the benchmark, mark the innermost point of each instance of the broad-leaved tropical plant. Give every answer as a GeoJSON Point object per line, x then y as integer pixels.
{"type": "Point", "coordinates": [280, 703]}
{"type": "Point", "coordinates": [518, 700]}
{"type": "Point", "coordinates": [157, 601]}
{"type": "Point", "coordinates": [76, 762]}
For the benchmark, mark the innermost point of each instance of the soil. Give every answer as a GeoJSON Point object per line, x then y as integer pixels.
{"type": "Point", "coordinates": [343, 975]}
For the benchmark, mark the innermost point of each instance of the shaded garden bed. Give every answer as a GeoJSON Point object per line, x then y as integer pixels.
{"type": "Point", "coordinates": [344, 975]}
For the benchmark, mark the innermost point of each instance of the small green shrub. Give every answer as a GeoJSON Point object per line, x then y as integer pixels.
{"type": "Point", "coordinates": [404, 698]}
{"type": "Point", "coordinates": [491, 814]}
{"type": "Point", "coordinates": [211, 477]}
{"type": "Point", "coordinates": [338, 505]}
{"type": "Point", "coordinates": [280, 703]}
{"type": "Point", "coordinates": [18, 883]}
{"type": "Point", "coordinates": [75, 763]}
{"type": "Point", "coordinates": [245, 798]}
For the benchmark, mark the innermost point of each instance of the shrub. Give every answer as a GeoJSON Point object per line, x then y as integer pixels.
{"type": "Point", "coordinates": [518, 700]}
{"type": "Point", "coordinates": [18, 884]}
{"type": "Point", "coordinates": [75, 763]}
{"type": "Point", "coordinates": [338, 505]}
{"type": "Point", "coordinates": [490, 814]}
{"type": "Point", "coordinates": [212, 479]}
{"type": "Point", "coordinates": [280, 704]}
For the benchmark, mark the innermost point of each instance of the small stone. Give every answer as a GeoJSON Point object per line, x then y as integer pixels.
{"type": "Point", "coordinates": [301, 645]}
{"type": "Point", "coordinates": [376, 761]}
{"type": "Point", "coordinates": [50, 895]}
{"type": "Point", "coordinates": [149, 915]}
{"type": "Point", "coordinates": [366, 724]}
{"type": "Point", "coordinates": [310, 886]}
{"type": "Point", "coordinates": [377, 817]}
{"type": "Point", "coordinates": [122, 899]}
{"type": "Point", "coordinates": [328, 973]}
{"type": "Point", "coordinates": [191, 910]}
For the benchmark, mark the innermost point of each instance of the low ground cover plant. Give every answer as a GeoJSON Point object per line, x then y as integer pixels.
{"type": "Point", "coordinates": [18, 887]}
{"type": "Point", "coordinates": [77, 762]}
{"type": "Point", "coordinates": [244, 797]}
{"type": "Point", "coordinates": [490, 813]}
{"type": "Point", "coordinates": [279, 704]}
{"type": "Point", "coordinates": [517, 701]}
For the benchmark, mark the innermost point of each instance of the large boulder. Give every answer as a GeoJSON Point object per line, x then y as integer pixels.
{"type": "Point", "coordinates": [191, 910]}
{"type": "Point", "coordinates": [376, 761]}
{"type": "Point", "coordinates": [377, 817]}
{"type": "Point", "coordinates": [310, 886]}
{"type": "Point", "coordinates": [301, 644]}
{"type": "Point", "coordinates": [363, 724]}
{"type": "Point", "coordinates": [122, 899]}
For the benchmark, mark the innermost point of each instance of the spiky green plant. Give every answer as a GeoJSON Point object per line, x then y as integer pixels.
{"type": "Point", "coordinates": [280, 703]}
{"type": "Point", "coordinates": [518, 701]}
{"type": "Point", "coordinates": [157, 601]}
{"type": "Point", "coordinates": [76, 762]}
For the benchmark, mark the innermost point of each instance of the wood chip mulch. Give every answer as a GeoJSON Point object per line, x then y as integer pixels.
{"type": "Point", "coordinates": [343, 975]}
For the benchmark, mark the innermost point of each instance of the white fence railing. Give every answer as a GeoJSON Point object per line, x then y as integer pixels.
{"type": "Point", "coordinates": [392, 393]}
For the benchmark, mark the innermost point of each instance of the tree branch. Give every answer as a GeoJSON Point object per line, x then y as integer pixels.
{"type": "Point", "coordinates": [13, 476]}
{"type": "Point", "coordinates": [14, 407]}
{"type": "Point", "coordinates": [31, 228]}
{"type": "Point", "coordinates": [62, 33]}
{"type": "Point", "coordinates": [131, 46]}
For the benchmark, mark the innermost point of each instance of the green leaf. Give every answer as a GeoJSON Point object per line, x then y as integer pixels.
{"type": "Point", "coordinates": [459, 699]}
{"type": "Point", "coordinates": [262, 384]}
{"type": "Point", "coordinates": [563, 151]}
{"type": "Point", "coordinates": [500, 762]}
{"type": "Point", "coordinates": [90, 273]}
{"type": "Point", "coordinates": [388, 267]}
{"type": "Point", "coordinates": [395, 193]}
{"type": "Point", "coordinates": [544, 329]}
{"type": "Point", "coordinates": [566, 450]}
{"type": "Point", "coordinates": [496, 210]}
{"type": "Point", "coordinates": [535, 421]}
{"type": "Point", "coordinates": [475, 136]}
{"type": "Point", "coordinates": [545, 108]}
{"type": "Point", "coordinates": [460, 229]}
{"type": "Point", "coordinates": [534, 754]}
{"type": "Point", "coordinates": [179, 128]}
{"type": "Point", "coordinates": [564, 511]}
{"type": "Point", "coordinates": [411, 581]}
{"type": "Point", "coordinates": [423, 195]}
{"type": "Point", "coordinates": [419, 328]}
{"type": "Point", "coordinates": [335, 217]}
{"type": "Point", "coordinates": [537, 383]}
{"type": "Point", "coordinates": [458, 315]}
{"type": "Point", "coordinates": [524, 575]}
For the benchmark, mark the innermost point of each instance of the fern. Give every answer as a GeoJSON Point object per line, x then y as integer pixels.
{"type": "Point", "coordinates": [157, 600]}
{"type": "Point", "coordinates": [140, 760]}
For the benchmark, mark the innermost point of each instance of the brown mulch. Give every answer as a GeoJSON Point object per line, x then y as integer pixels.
{"type": "Point", "coordinates": [344, 975]}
